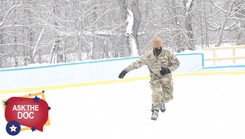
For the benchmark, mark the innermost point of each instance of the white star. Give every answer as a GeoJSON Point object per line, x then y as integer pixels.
{"type": "Point", "coordinates": [13, 128]}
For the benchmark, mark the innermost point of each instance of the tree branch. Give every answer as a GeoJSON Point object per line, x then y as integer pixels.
{"type": "Point", "coordinates": [8, 12]}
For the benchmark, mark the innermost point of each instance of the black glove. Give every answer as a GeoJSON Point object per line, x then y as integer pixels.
{"type": "Point", "coordinates": [165, 71]}
{"type": "Point", "coordinates": [122, 74]}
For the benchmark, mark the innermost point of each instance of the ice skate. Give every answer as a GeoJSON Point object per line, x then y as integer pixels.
{"type": "Point", "coordinates": [154, 115]}
{"type": "Point", "coordinates": [162, 107]}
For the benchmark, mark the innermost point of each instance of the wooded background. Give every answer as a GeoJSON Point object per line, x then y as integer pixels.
{"type": "Point", "coordinates": [60, 31]}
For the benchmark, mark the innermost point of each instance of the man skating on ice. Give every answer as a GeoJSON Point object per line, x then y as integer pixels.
{"type": "Point", "coordinates": [161, 63]}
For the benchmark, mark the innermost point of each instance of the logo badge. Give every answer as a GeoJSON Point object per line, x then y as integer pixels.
{"type": "Point", "coordinates": [30, 111]}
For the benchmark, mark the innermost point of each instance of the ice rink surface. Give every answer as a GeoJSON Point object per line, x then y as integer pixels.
{"type": "Point", "coordinates": [204, 107]}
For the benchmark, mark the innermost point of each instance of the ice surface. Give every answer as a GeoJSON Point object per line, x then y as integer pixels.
{"type": "Point", "coordinates": [204, 107]}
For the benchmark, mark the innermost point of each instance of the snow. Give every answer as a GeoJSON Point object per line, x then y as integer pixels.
{"type": "Point", "coordinates": [130, 21]}
{"type": "Point", "coordinates": [204, 107]}
{"type": "Point", "coordinates": [188, 3]}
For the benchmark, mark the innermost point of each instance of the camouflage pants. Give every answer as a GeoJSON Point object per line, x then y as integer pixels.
{"type": "Point", "coordinates": [162, 91]}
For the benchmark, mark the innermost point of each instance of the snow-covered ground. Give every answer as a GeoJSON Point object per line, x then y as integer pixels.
{"type": "Point", "coordinates": [204, 107]}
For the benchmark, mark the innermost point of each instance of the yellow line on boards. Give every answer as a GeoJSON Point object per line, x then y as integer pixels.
{"type": "Point", "coordinates": [33, 89]}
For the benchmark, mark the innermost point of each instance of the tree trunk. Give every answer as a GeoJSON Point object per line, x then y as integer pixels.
{"type": "Point", "coordinates": [221, 32]}
{"type": "Point", "coordinates": [123, 9]}
{"type": "Point", "coordinates": [131, 29]}
{"type": "Point", "coordinates": [206, 27]}
{"type": "Point", "coordinates": [35, 49]}
{"type": "Point", "coordinates": [57, 53]}
{"type": "Point", "coordinates": [137, 19]}
{"type": "Point", "coordinates": [176, 22]}
{"type": "Point", "coordinates": [188, 24]}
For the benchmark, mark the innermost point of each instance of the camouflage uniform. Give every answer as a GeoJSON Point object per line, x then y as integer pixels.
{"type": "Point", "coordinates": [161, 85]}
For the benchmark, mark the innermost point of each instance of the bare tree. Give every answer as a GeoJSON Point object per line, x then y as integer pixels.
{"type": "Point", "coordinates": [74, 30]}
{"type": "Point", "coordinates": [227, 10]}
{"type": "Point", "coordinates": [239, 16]}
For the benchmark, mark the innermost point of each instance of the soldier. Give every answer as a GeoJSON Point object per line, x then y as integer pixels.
{"type": "Point", "coordinates": [161, 63]}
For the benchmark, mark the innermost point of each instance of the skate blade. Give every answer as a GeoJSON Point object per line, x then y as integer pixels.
{"type": "Point", "coordinates": [154, 119]}
{"type": "Point", "coordinates": [163, 110]}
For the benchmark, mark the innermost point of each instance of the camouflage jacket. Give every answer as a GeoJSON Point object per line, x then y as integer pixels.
{"type": "Point", "coordinates": [166, 59]}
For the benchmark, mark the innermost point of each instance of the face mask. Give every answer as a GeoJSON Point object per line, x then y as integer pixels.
{"type": "Point", "coordinates": [157, 51]}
